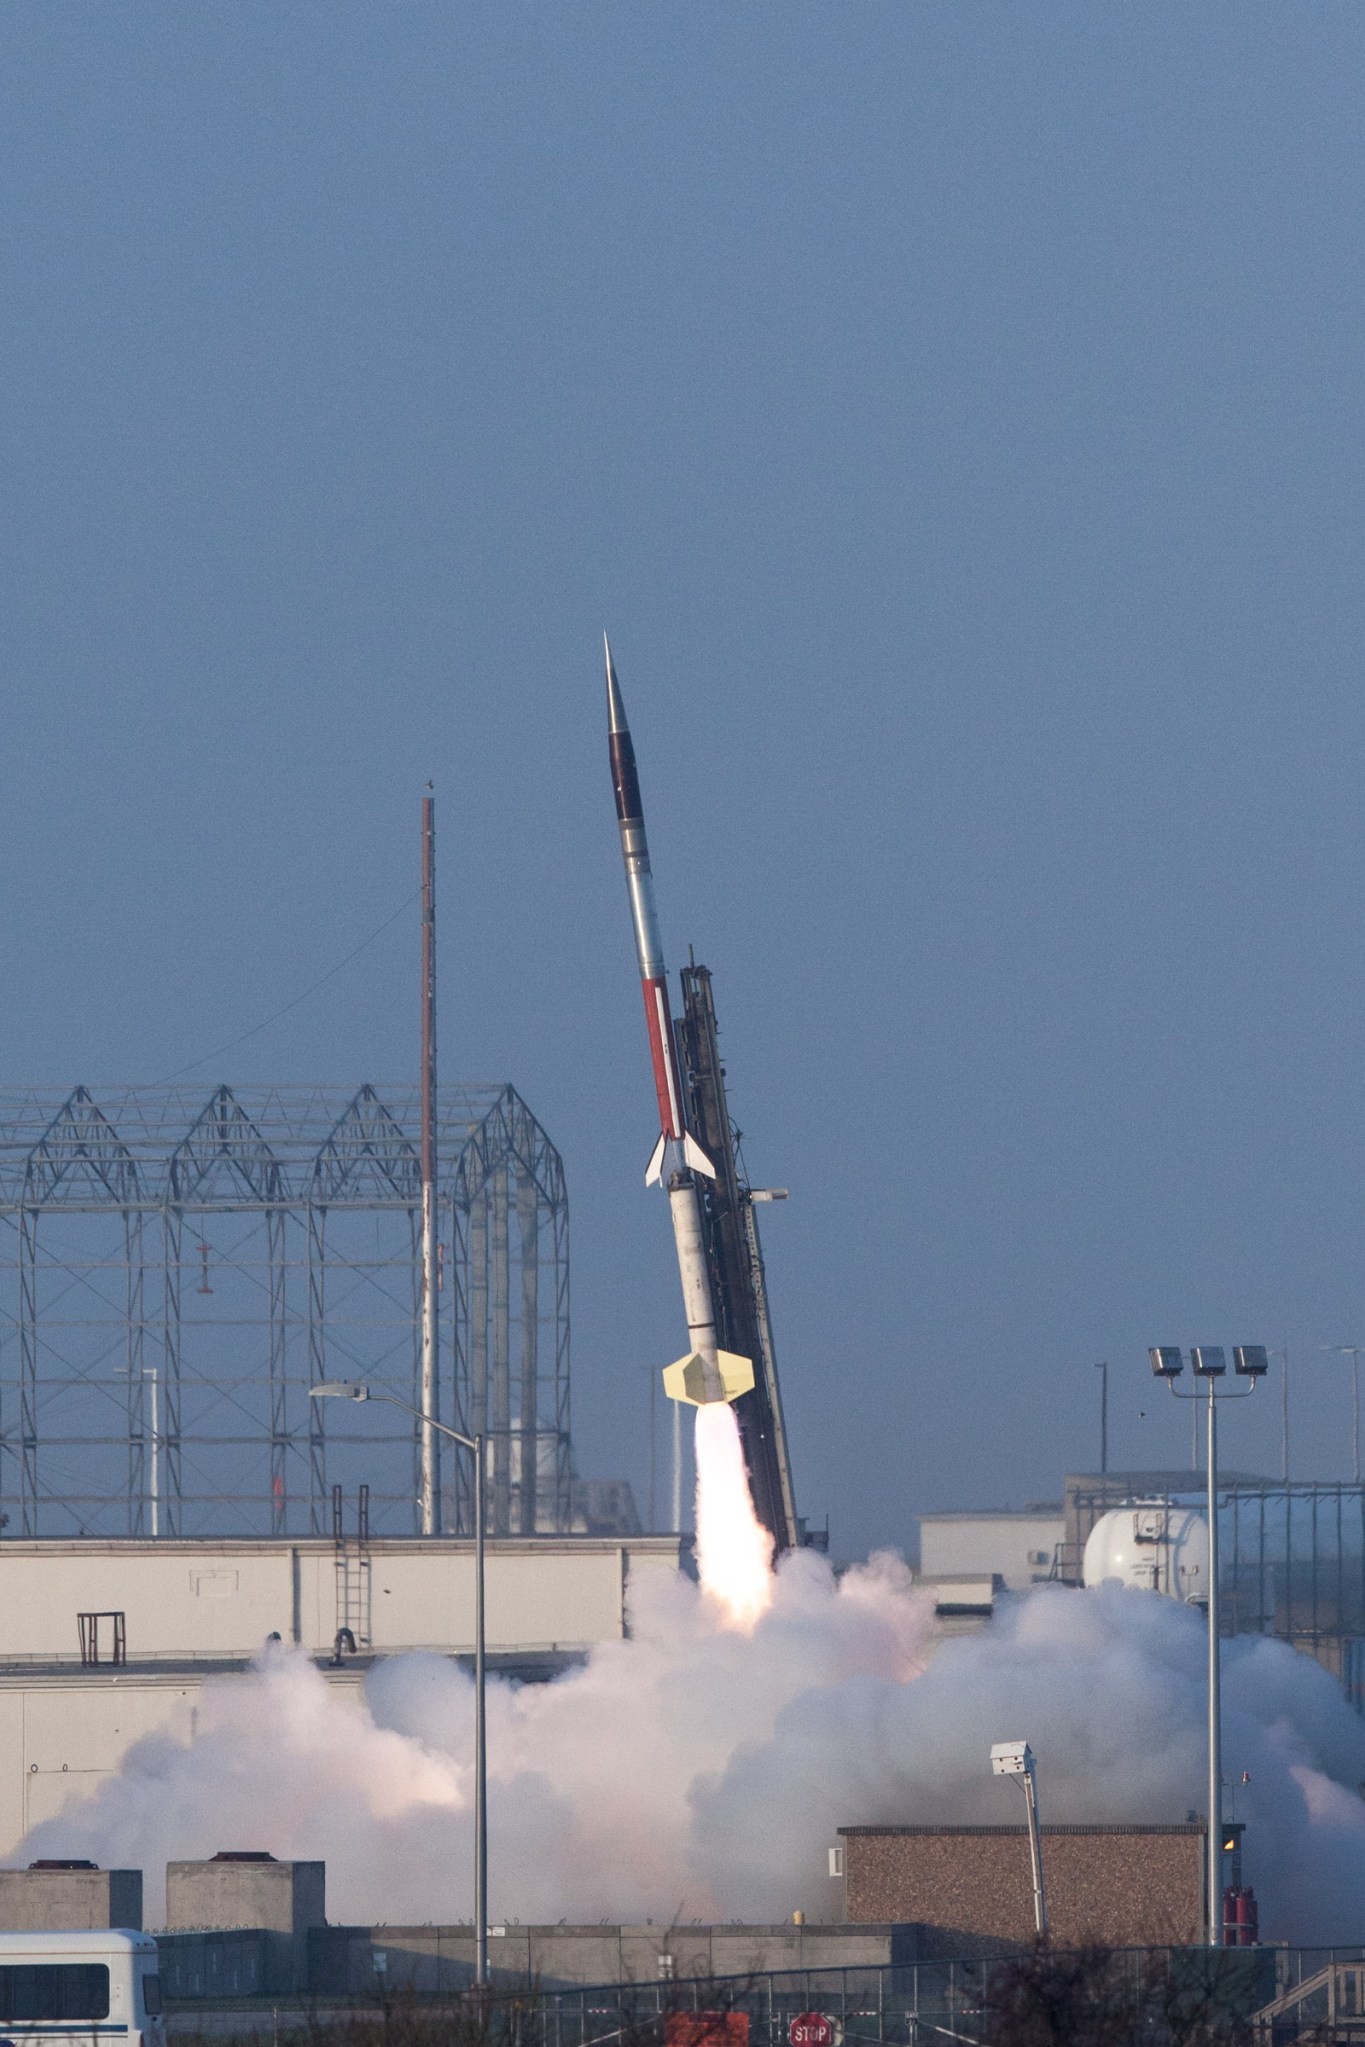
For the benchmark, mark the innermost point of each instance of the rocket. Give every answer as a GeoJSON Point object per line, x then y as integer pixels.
{"type": "Point", "coordinates": [706, 1373]}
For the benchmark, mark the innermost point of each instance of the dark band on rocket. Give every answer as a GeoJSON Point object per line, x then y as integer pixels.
{"type": "Point", "coordinates": [624, 777]}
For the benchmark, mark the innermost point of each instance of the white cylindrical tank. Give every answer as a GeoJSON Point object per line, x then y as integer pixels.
{"type": "Point", "coordinates": [1154, 1544]}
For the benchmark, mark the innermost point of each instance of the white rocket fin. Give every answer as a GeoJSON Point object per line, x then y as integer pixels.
{"type": "Point", "coordinates": [696, 1157]}
{"type": "Point", "coordinates": [693, 1156]}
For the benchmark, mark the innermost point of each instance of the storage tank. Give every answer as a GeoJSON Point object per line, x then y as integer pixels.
{"type": "Point", "coordinates": [1156, 1545]}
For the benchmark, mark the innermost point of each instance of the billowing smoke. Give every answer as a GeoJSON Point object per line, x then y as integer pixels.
{"type": "Point", "coordinates": [702, 1771]}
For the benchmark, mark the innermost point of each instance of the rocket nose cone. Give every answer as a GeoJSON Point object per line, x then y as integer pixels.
{"type": "Point", "coordinates": [616, 710]}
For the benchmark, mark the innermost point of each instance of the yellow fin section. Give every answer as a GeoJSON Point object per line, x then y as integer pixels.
{"type": "Point", "coordinates": [685, 1379]}
{"type": "Point", "coordinates": [736, 1373]}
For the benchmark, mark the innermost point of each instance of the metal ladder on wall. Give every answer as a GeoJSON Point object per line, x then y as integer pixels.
{"type": "Point", "coordinates": [352, 1569]}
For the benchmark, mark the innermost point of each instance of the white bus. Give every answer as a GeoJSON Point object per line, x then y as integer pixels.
{"type": "Point", "coordinates": [80, 1990]}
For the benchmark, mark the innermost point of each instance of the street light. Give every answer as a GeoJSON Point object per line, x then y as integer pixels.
{"type": "Point", "coordinates": [345, 1389]}
{"type": "Point", "coordinates": [1015, 1759]}
{"type": "Point", "coordinates": [1352, 1351]}
{"type": "Point", "coordinates": [1209, 1363]}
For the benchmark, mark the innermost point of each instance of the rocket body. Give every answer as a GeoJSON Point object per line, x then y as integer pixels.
{"type": "Point", "coordinates": [707, 1373]}
{"type": "Point", "coordinates": [649, 950]}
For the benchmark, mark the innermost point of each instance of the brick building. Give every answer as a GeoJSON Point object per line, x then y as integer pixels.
{"type": "Point", "coordinates": [1120, 1886]}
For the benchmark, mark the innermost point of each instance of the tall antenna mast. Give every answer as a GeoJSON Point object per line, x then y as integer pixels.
{"type": "Point", "coordinates": [429, 1480]}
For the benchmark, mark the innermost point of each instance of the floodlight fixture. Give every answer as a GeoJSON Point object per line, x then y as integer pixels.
{"type": "Point", "coordinates": [339, 1389]}
{"type": "Point", "coordinates": [1250, 1361]}
{"type": "Point", "coordinates": [1011, 1759]}
{"type": "Point", "coordinates": [1168, 1361]}
{"type": "Point", "coordinates": [1208, 1361]}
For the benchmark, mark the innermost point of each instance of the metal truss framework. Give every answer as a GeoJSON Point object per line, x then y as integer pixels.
{"type": "Point", "coordinates": [176, 1272]}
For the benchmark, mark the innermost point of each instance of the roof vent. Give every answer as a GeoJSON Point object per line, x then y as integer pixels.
{"type": "Point", "coordinates": [242, 1855]}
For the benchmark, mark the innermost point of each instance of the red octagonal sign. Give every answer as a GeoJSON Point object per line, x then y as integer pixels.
{"type": "Point", "coordinates": [814, 2029]}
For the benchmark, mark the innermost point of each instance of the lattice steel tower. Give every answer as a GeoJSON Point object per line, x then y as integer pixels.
{"type": "Point", "coordinates": [176, 1272]}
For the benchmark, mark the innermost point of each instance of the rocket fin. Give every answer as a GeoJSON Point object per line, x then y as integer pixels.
{"type": "Point", "coordinates": [685, 1378]}
{"type": "Point", "coordinates": [696, 1157]}
{"type": "Point", "coordinates": [736, 1373]}
{"type": "Point", "coordinates": [693, 1156]}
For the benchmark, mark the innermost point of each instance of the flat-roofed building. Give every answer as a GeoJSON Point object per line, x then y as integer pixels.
{"type": "Point", "coordinates": [1014, 1544]}
{"type": "Point", "coordinates": [103, 1642]}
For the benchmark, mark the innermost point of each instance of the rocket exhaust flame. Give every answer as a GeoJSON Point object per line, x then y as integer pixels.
{"type": "Point", "coordinates": [734, 1549]}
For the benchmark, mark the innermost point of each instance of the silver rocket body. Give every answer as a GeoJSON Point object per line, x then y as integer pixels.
{"type": "Point", "coordinates": [707, 1373]}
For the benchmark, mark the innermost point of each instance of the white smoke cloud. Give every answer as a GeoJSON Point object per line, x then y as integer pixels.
{"type": "Point", "coordinates": [697, 1771]}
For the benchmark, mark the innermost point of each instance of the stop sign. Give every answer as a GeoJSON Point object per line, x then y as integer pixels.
{"type": "Point", "coordinates": [814, 2029]}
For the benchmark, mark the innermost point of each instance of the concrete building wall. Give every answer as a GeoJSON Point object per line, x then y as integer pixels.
{"type": "Point", "coordinates": [200, 1609]}
{"type": "Point", "coordinates": [441, 1958]}
{"type": "Point", "coordinates": [61, 1736]}
{"type": "Point", "coordinates": [1017, 1547]}
{"type": "Point", "coordinates": [213, 1600]}
{"type": "Point", "coordinates": [1124, 1886]}
{"type": "Point", "coordinates": [282, 1901]}
{"type": "Point", "coordinates": [281, 1897]}
{"type": "Point", "coordinates": [70, 1900]}
{"type": "Point", "coordinates": [214, 1965]}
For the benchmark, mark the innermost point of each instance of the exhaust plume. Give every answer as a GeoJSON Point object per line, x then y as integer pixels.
{"type": "Point", "coordinates": [734, 1549]}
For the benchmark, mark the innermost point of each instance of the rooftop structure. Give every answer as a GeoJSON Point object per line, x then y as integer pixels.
{"type": "Point", "coordinates": [1016, 1544]}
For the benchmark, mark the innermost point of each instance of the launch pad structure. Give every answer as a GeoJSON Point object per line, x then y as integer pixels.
{"type": "Point", "coordinates": [177, 1269]}
{"type": "Point", "coordinates": [735, 1258]}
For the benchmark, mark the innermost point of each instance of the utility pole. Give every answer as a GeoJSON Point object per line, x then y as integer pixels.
{"type": "Point", "coordinates": [1103, 1370]}
{"type": "Point", "coordinates": [349, 1389]}
{"type": "Point", "coordinates": [1352, 1351]}
{"type": "Point", "coordinates": [154, 1490]}
{"type": "Point", "coordinates": [429, 1486]}
{"type": "Point", "coordinates": [1215, 1842]}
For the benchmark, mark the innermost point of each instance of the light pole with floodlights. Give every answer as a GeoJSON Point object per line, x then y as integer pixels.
{"type": "Point", "coordinates": [1209, 1364]}
{"type": "Point", "coordinates": [345, 1389]}
{"type": "Point", "coordinates": [1015, 1759]}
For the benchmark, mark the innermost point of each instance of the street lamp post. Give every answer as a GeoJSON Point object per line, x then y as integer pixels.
{"type": "Point", "coordinates": [1209, 1364]}
{"type": "Point", "coordinates": [343, 1389]}
{"type": "Point", "coordinates": [1015, 1759]}
{"type": "Point", "coordinates": [1352, 1351]}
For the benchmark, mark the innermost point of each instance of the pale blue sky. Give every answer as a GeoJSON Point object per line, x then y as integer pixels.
{"type": "Point", "coordinates": [955, 414]}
